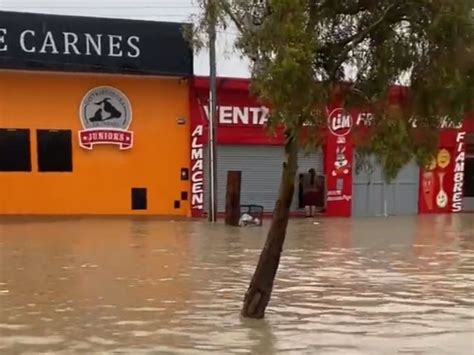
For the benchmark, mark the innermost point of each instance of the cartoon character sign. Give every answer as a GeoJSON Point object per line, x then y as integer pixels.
{"type": "Point", "coordinates": [442, 197]}
{"type": "Point", "coordinates": [444, 158]}
{"type": "Point", "coordinates": [428, 189]}
{"type": "Point", "coordinates": [341, 165]}
{"type": "Point", "coordinates": [433, 189]}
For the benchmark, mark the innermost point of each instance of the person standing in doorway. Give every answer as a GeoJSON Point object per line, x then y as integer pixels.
{"type": "Point", "coordinates": [300, 191]}
{"type": "Point", "coordinates": [310, 188]}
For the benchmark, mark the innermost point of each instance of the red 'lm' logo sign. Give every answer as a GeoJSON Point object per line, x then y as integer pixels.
{"type": "Point", "coordinates": [340, 122]}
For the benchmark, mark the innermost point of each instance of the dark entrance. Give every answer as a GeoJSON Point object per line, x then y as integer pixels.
{"type": "Point", "coordinates": [468, 202]}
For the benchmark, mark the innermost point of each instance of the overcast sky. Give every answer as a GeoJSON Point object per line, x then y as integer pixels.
{"type": "Point", "coordinates": [229, 63]}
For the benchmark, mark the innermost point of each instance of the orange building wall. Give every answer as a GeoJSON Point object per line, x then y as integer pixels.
{"type": "Point", "coordinates": [102, 178]}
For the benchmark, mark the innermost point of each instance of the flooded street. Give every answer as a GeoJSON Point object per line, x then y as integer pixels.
{"type": "Point", "coordinates": [345, 286]}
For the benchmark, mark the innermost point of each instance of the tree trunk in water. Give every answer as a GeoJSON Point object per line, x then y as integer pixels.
{"type": "Point", "coordinates": [260, 289]}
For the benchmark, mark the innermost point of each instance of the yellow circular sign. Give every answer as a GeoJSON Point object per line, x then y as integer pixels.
{"type": "Point", "coordinates": [444, 158]}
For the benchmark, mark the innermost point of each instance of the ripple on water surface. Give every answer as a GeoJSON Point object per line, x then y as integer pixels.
{"type": "Point", "coordinates": [145, 286]}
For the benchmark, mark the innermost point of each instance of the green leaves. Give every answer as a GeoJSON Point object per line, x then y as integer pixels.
{"type": "Point", "coordinates": [394, 143]}
{"type": "Point", "coordinates": [302, 49]}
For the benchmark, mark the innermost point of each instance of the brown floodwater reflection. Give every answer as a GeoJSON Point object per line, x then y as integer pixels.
{"type": "Point", "coordinates": [401, 285]}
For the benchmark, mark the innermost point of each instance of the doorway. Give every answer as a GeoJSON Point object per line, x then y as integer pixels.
{"type": "Point", "coordinates": [468, 200]}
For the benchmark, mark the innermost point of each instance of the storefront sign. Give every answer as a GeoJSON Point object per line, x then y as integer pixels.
{"type": "Point", "coordinates": [70, 43]}
{"type": "Point", "coordinates": [340, 122]}
{"type": "Point", "coordinates": [341, 164]}
{"type": "Point", "coordinates": [337, 195]}
{"type": "Point", "coordinates": [339, 152]}
{"type": "Point", "coordinates": [67, 43]}
{"type": "Point", "coordinates": [436, 179]}
{"type": "Point", "coordinates": [364, 119]}
{"type": "Point", "coordinates": [444, 158]}
{"type": "Point", "coordinates": [367, 119]}
{"type": "Point", "coordinates": [105, 114]}
{"type": "Point", "coordinates": [427, 186]}
{"type": "Point", "coordinates": [446, 124]}
{"type": "Point", "coordinates": [197, 169]}
{"type": "Point", "coordinates": [234, 115]}
{"type": "Point", "coordinates": [459, 173]}
{"type": "Point", "coordinates": [442, 196]}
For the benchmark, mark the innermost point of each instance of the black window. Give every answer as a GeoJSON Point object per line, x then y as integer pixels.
{"type": "Point", "coordinates": [139, 198]}
{"type": "Point", "coordinates": [54, 150]}
{"type": "Point", "coordinates": [15, 154]}
{"type": "Point", "coordinates": [469, 178]}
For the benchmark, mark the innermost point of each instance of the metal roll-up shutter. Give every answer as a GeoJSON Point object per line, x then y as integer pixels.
{"type": "Point", "coordinates": [371, 196]}
{"type": "Point", "coordinates": [261, 168]}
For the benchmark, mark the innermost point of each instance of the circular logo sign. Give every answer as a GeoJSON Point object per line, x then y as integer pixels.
{"type": "Point", "coordinates": [105, 107]}
{"type": "Point", "coordinates": [340, 122]}
{"type": "Point", "coordinates": [444, 158]}
{"type": "Point", "coordinates": [106, 115]}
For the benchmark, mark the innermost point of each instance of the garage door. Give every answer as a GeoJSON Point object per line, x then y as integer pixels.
{"type": "Point", "coordinates": [371, 196]}
{"type": "Point", "coordinates": [261, 168]}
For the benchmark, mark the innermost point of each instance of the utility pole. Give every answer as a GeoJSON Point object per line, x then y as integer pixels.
{"type": "Point", "coordinates": [211, 13]}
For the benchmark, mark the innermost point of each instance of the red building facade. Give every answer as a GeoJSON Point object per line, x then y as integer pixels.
{"type": "Point", "coordinates": [246, 145]}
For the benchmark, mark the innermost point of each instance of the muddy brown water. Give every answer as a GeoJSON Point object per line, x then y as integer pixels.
{"type": "Point", "coordinates": [346, 286]}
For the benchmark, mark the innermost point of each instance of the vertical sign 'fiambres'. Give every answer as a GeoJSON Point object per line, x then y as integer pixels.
{"type": "Point", "coordinates": [459, 173]}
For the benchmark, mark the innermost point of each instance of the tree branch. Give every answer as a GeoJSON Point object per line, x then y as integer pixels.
{"type": "Point", "coordinates": [357, 39]}
{"type": "Point", "coordinates": [227, 9]}
{"type": "Point", "coordinates": [313, 15]}
{"type": "Point", "coordinates": [349, 9]}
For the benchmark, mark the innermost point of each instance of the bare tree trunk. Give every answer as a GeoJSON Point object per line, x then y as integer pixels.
{"type": "Point", "coordinates": [260, 289]}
